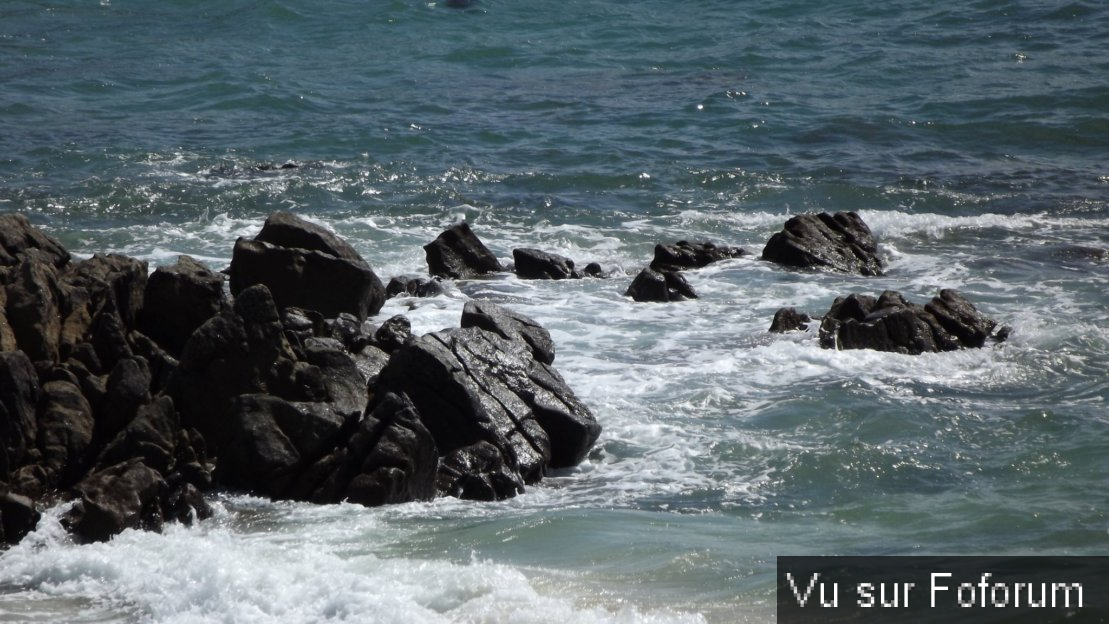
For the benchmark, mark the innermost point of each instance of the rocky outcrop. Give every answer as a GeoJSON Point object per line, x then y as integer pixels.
{"type": "Point", "coordinates": [536, 264]}
{"type": "Point", "coordinates": [839, 242]}
{"type": "Point", "coordinates": [18, 238]}
{"type": "Point", "coordinates": [891, 323]}
{"type": "Point", "coordinates": [306, 402]}
{"type": "Point", "coordinates": [685, 255]}
{"type": "Point", "coordinates": [651, 285]}
{"type": "Point", "coordinates": [327, 276]}
{"type": "Point", "coordinates": [789, 319]}
{"type": "Point", "coordinates": [457, 253]}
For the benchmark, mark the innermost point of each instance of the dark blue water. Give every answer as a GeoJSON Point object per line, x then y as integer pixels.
{"type": "Point", "coordinates": [971, 138]}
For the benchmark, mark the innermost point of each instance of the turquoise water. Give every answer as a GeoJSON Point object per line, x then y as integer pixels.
{"type": "Point", "coordinates": [972, 139]}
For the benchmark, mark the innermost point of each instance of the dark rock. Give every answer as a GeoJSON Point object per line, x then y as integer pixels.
{"type": "Point", "coordinates": [685, 255]}
{"type": "Point", "coordinates": [285, 229]}
{"type": "Point", "coordinates": [343, 382]}
{"type": "Point", "coordinates": [108, 336]}
{"type": "Point", "coordinates": [128, 388]}
{"type": "Point", "coordinates": [370, 361]}
{"type": "Point", "coordinates": [457, 253]}
{"type": "Point", "coordinates": [19, 396]}
{"type": "Point", "coordinates": [414, 287]}
{"type": "Point", "coordinates": [242, 350]}
{"type": "Point", "coordinates": [17, 236]}
{"type": "Point", "coordinates": [160, 365]}
{"type": "Point", "coordinates": [391, 458]}
{"type": "Point", "coordinates": [593, 269]}
{"type": "Point", "coordinates": [891, 323]}
{"type": "Point", "coordinates": [569, 424]}
{"type": "Point", "coordinates": [179, 298]}
{"type": "Point", "coordinates": [118, 278]}
{"type": "Point", "coordinates": [349, 331]}
{"type": "Point", "coordinates": [652, 285]}
{"type": "Point", "coordinates": [789, 319]}
{"type": "Point", "coordinates": [393, 333]}
{"type": "Point", "coordinates": [186, 504]}
{"type": "Point", "coordinates": [511, 326]}
{"type": "Point", "coordinates": [7, 335]}
{"type": "Point", "coordinates": [124, 496]}
{"type": "Point", "coordinates": [477, 472]}
{"type": "Point", "coordinates": [307, 279]}
{"type": "Point", "coordinates": [841, 242]}
{"type": "Point", "coordinates": [33, 311]}
{"type": "Point", "coordinates": [65, 432]}
{"type": "Point", "coordinates": [150, 436]}
{"type": "Point", "coordinates": [536, 264]}
{"type": "Point", "coordinates": [18, 517]}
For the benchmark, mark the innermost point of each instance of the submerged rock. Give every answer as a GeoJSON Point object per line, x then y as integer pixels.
{"type": "Point", "coordinates": [685, 255]}
{"type": "Point", "coordinates": [840, 242]}
{"type": "Point", "coordinates": [662, 287]}
{"type": "Point", "coordinates": [789, 319]}
{"type": "Point", "coordinates": [536, 264]}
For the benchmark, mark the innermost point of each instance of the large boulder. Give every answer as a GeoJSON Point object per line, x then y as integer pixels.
{"type": "Point", "coordinates": [179, 298]}
{"type": "Point", "coordinates": [789, 319]}
{"type": "Point", "coordinates": [840, 242]}
{"type": "Point", "coordinates": [65, 433]}
{"type": "Point", "coordinates": [285, 229]}
{"type": "Point", "coordinates": [17, 236]}
{"type": "Point", "coordinates": [124, 496]}
{"type": "Point", "coordinates": [892, 323]}
{"type": "Point", "coordinates": [19, 397]}
{"type": "Point", "coordinates": [18, 517]}
{"type": "Point", "coordinates": [307, 279]}
{"type": "Point", "coordinates": [457, 253]}
{"type": "Point", "coordinates": [685, 255]}
{"type": "Point", "coordinates": [34, 316]}
{"type": "Point", "coordinates": [470, 386]}
{"type": "Point", "coordinates": [653, 286]}
{"type": "Point", "coordinates": [111, 276]}
{"type": "Point", "coordinates": [536, 264]}
{"type": "Point", "coordinates": [510, 326]}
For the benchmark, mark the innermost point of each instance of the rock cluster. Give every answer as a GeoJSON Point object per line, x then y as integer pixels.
{"type": "Point", "coordinates": [131, 395]}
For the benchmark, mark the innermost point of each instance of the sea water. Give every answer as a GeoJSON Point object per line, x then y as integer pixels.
{"type": "Point", "coordinates": [972, 138]}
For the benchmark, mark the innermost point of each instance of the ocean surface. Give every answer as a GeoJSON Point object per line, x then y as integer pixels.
{"type": "Point", "coordinates": [972, 137]}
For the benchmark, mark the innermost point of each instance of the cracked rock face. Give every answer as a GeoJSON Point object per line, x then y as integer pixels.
{"type": "Point", "coordinates": [840, 242]}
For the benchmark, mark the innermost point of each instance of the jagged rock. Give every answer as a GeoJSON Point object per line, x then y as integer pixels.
{"type": "Point", "coordinates": [124, 496]}
{"type": "Point", "coordinates": [391, 458]}
{"type": "Point", "coordinates": [511, 326]}
{"type": "Point", "coordinates": [118, 278]}
{"type": "Point", "coordinates": [470, 385]}
{"type": "Point", "coordinates": [685, 255]}
{"type": "Point", "coordinates": [477, 472]}
{"type": "Point", "coordinates": [186, 504]}
{"type": "Point", "coordinates": [342, 380]}
{"type": "Point", "coordinates": [841, 242]}
{"type": "Point", "coordinates": [348, 330]}
{"type": "Point", "coordinates": [593, 269]}
{"type": "Point", "coordinates": [7, 336]}
{"type": "Point", "coordinates": [307, 279]}
{"type": "Point", "coordinates": [128, 388]}
{"type": "Point", "coordinates": [178, 299]}
{"type": "Point", "coordinates": [151, 436]}
{"type": "Point", "coordinates": [65, 432]}
{"type": "Point", "coordinates": [789, 319]}
{"type": "Point", "coordinates": [33, 311]}
{"type": "Point", "coordinates": [393, 333]}
{"type": "Point", "coordinates": [891, 323]}
{"type": "Point", "coordinates": [242, 350]}
{"type": "Point", "coordinates": [19, 396]}
{"type": "Point", "coordinates": [536, 264]}
{"type": "Point", "coordinates": [285, 229]}
{"type": "Point", "coordinates": [652, 285]}
{"type": "Point", "coordinates": [414, 287]}
{"type": "Point", "coordinates": [457, 253]}
{"type": "Point", "coordinates": [17, 236]}
{"type": "Point", "coordinates": [18, 517]}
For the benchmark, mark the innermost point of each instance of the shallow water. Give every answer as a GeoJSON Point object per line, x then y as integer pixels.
{"type": "Point", "coordinates": [970, 139]}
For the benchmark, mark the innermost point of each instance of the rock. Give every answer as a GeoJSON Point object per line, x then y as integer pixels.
{"type": "Point", "coordinates": [789, 319]}
{"type": "Point", "coordinates": [891, 323]}
{"type": "Point", "coordinates": [470, 385]}
{"type": "Point", "coordinates": [33, 311]}
{"type": "Point", "coordinates": [17, 236]}
{"type": "Point", "coordinates": [178, 299]}
{"type": "Point", "coordinates": [342, 380]}
{"type": "Point", "coordinates": [391, 458]}
{"type": "Point", "coordinates": [150, 436]}
{"type": "Point", "coordinates": [112, 276]}
{"type": "Point", "coordinates": [414, 287]}
{"type": "Point", "coordinates": [510, 326]}
{"type": "Point", "coordinates": [186, 504]}
{"type": "Point", "coordinates": [477, 472]}
{"type": "Point", "coordinates": [393, 333]}
{"type": "Point", "coordinates": [7, 336]}
{"type": "Point", "coordinates": [307, 279]}
{"type": "Point", "coordinates": [242, 350]}
{"type": "Point", "coordinates": [285, 229]}
{"type": "Point", "coordinates": [18, 517]}
{"type": "Point", "coordinates": [685, 255]}
{"type": "Point", "coordinates": [128, 388]}
{"type": "Point", "coordinates": [593, 269]}
{"type": "Point", "coordinates": [841, 242]}
{"type": "Point", "coordinates": [651, 285]}
{"type": "Point", "coordinates": [457, 253]}
{"type": "Point", "coordinates": [19, 397]}
{"type": "Point", "coordinates": [536, 264]}
{"type": "Point", "coordinates": [124, 496]}
{"type": "Point", "coordinates": [351, 332]}
{"type": "Point", "coordinates": [65, 433]}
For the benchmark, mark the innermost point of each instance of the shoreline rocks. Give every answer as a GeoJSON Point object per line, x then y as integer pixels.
{"type": "Point", "coordinates": [840, 242]}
